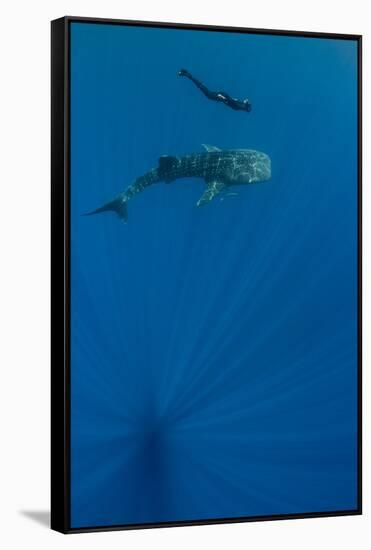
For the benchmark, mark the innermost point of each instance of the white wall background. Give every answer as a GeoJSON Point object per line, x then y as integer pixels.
{"type": "Point", "coordinates": [24, 271]}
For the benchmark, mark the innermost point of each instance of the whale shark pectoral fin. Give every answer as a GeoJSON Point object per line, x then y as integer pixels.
{"type": "Point", "coordinates": [212, 189]}
{"type": "Point", "coordinates": [210, 148]}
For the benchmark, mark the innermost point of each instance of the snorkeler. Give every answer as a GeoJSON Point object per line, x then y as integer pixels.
{"type": "Point", "coordinates": [223, 97]}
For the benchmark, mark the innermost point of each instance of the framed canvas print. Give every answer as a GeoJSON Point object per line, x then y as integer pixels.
{"type": "Point", "coordinates": [206, 274]}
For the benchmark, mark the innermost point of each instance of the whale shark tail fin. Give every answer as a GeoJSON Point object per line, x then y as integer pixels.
{"type": "Point", "coordinates": [118, 205]}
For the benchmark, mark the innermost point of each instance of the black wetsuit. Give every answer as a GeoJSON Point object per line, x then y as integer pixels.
{"type": "Point", "coordinates": [223, 97]}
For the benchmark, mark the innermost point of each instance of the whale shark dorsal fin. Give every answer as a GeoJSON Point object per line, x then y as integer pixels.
{"type": "Point", "coordinates": [212, 189]}
{"type": "Point", "coordinates": [166, 162]}
{"type": "Point", "coordinates": [166, 165]}
{"type": "Point", "coordinates": [210, 148]}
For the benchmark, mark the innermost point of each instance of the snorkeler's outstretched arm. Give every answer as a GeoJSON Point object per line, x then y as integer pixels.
{"type": "Point", "coordinates": [200, 85]}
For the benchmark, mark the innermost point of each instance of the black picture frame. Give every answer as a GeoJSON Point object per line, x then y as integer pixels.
{"type": "Point", "coordinates": [60, 272]}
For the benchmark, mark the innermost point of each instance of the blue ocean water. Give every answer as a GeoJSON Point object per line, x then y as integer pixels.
{"type": "Point", "coordinates": [214, 349]}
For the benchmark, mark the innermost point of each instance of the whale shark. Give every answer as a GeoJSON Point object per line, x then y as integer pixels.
{"type": "Point", "coordinates": [220, 169]}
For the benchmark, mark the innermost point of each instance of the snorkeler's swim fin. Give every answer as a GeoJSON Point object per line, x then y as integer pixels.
{"type": "Point", "coordinates": [118, 205]}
